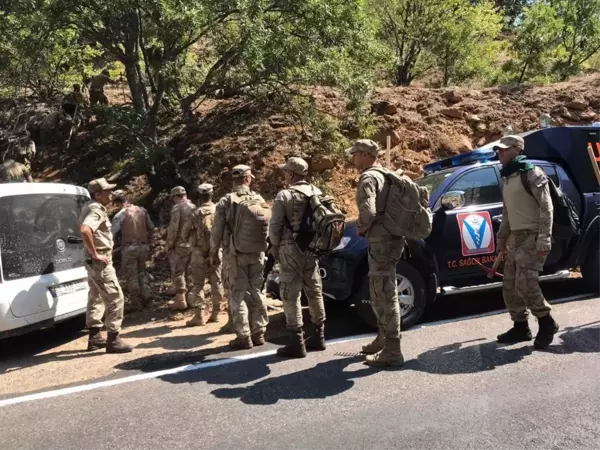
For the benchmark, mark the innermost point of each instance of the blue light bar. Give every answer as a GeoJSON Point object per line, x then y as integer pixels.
{"type": "Point", "coordinates": [478, 155]}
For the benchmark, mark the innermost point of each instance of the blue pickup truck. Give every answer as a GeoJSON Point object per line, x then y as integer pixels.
{"type": "Point", "coordinates": [466, 199]}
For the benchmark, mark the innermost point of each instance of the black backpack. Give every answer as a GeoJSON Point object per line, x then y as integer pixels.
{"type": "Point", "coordinates": [565, 223]}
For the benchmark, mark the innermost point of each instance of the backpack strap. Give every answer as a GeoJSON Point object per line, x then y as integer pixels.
{"type": "Point", "coordinates": [525, 182]}
{"type": "Point", "coordinates": [306, 209]}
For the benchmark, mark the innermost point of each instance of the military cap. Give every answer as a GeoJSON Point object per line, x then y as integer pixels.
{"type": "Point", "coordinates": [119, 194]}
{"type": "Point", "coordinates": [241, 171]}
{"type": "Point", "coordinates": [205, 188]}
{"type": "Point", "coordinates": [100, 185]}
{"type": "Point", "coordinates": [364, 145]}
{"type": "Point", "coordinates": [296, 165]}
{"type": "Point", "coordinates": [511, 141]}
{"type": "Point", "coordinates": [178, 190]}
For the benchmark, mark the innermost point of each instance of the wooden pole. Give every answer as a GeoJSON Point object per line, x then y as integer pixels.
{"type": "Point", "coordinates": [388, 152]}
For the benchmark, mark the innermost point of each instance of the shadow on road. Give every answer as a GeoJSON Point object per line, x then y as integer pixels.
{"type": "Point", "coordinates": [324, 380]}
{"type": "Point", "coordinates": [582, 339]}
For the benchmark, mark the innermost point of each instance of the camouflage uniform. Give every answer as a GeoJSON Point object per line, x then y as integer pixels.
{"type": "Point", "coordinates": [199, 226]}
{"type": "Point", "coordinates": [105, 291]}
{"type": "Point", "coordinates": [97, 89]}
{"type": "Point", "coordinates": [525, 235]}
{"type": "Point", "coordinates": [245, 271]}
{"type": "Point", "coordinates": [179, 247]}
{"type": "Point", "coordinates": [135, 226]}
{"type": "Point", "coordinates": [384, 252]}
{"type": "Point", "coordinates": [14, 172]}
{"type": "Point", "coordinates": [520, 286]}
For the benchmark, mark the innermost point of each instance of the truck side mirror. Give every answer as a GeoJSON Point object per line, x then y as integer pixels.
{"type": "Point", "coordinates": [453, 199]}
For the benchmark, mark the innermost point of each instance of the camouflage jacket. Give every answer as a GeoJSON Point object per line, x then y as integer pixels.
{"type": "Point", "coordinates": [180, 213]}
{"type": "Point", "coordinates": [198, 226]}
{"type": "Point", "coordinates": [370, 198]}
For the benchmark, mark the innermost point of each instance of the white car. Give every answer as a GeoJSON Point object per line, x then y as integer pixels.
{"type": "Point", "coordinates": [42, 264]}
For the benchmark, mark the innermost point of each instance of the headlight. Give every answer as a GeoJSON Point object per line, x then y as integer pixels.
{"type": "Point", "coordinates": [343, 243]}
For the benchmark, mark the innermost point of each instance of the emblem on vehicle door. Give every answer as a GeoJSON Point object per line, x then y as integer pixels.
{"type": "Point", "coordinates": [61, 245]}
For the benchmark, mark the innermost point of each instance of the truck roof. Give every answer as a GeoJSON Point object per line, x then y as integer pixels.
{"type": "Point", "coordinates": [576, 149]}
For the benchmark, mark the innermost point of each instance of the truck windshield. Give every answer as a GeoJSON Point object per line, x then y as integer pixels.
{"type": "Point", "coordinates": [433, 181]}
{"type": "Point", "coordinates": [35, 231]}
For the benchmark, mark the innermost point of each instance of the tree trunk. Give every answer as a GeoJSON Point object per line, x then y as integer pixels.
{"type": "Point", "coordinates": [523, 73]}
{"type": "Point", "coordinates": [135, 87]}
{"type": "Point", "coordinates": [153, 115]}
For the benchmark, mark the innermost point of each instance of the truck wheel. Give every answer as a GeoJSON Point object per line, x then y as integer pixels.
{"type": "Point", "coordinates": [590, 269]}
{"type": "Point", "coordinates": [411, 295]}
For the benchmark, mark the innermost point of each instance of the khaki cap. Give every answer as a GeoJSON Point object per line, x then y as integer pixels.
{"type": "Point", "coordinates": [119, 194]}
{"type": "Point", "coordinates": [364, 145]}
{"type": "Point", "coordinates": [178, 190]}
{"type": "Point", "coordinates": [296, 165]}
{"type": "Point", "coordinates": [241, 171]}
{"type": "Point", "coordinates": [100, 185]}
{"type": "Point", "coordinates": [205, 188]}
{"type": "Point", "coordinates": [511, 141]}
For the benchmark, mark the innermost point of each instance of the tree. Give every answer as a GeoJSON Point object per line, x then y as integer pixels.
{"type": "Point", "coordinates": [580, 34]}
{"type": "Point", "coordinates": [536, 40]}
{"type": "Point", "coordinates": [465, 44]}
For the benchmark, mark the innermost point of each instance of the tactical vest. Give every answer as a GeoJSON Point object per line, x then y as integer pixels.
{"type": "Point", "coordinates": [203, 220]}
{"type": "Point", "coordinates": [134, 228]}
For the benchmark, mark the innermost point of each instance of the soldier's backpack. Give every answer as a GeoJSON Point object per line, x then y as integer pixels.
{"type": "Point", "coordinates": [406, 212]}
{"type": "Point", "coordinates": [565, 221]}
{"type": "Point", "coordinates": [249, 223]}
{"type": "Point", "coordinates": [322, 224]}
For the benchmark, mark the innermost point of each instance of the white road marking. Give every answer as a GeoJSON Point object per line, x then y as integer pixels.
{"type": "Point", "coordinates": [223, 362]}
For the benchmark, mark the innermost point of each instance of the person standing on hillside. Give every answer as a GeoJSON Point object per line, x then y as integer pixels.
{"type": "Point", "coordinates": [73, 101]}
{"type": "Point", "coordinates": [97, 84]}
{"type": "Point", "coordinates": [244, 214]}
{"type": "Point", "coordinates": [198, 227]}
{"type": "Point", "coordinates": [105, 294]}
{"type": "Point", "coordinates": [298, 270]}
{"type": "Point", "coordinates": [525, 237]}
{"type": "Point", "coordinates": [179, 247]}
{"type": "Point", "coordinates": [12, 171]}
{"type": "Point", "coordinates": [384, 252]}
{"type": "Point", "coordinates": [134, 227]}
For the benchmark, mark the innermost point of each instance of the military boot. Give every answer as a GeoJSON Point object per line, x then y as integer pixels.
{"type": "Point", "coordinates": [258, 338]}
{"type": "Point", "coordinates": [390, 356]}
{"type": "Point", "coordinates": [375, 346]}
{"type": "Point", "coordinates": [316, 341]}
{"type": "Point", "coordinates": [179, 304]}
{"type": "Point", "coordinates": [241, 343]}
{"type": "Point", "coordinates": [115, 344]}
{"type": "Point", "coordinates": [296, 348]}
{"type": "Point", "coordinates": [520, 332]}
{"type": "Point", "coordinates": [95, 341]}
{"type": "Point", "coordinates": [548, 328]}
{"type": "Point", "coordinates": [214, 315]}
{"type": "Point", "coordinates": [198, 319]}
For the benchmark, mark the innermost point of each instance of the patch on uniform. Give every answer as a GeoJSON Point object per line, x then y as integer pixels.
{"type": "Point", "coordinates": [476, 233]}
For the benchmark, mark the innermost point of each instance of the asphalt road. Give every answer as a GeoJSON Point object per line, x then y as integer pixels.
{"type": "Point", "coordinates": [458, 389]}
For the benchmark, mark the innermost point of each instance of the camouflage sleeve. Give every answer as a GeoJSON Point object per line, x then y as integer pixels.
{"type": "Point", "coordinates": [366, 197]}
{"type": "Point", "coordinates": [207, 224]}
{"type": "Point", "coordinates": [116, 223]}
{"type": "Point", "coordinates": [173, 227]}
{"type": "Point", "coordinates": [218, 228]}
{"type": "Point", "coordinates": [503, 232]}
{"type": "Point", "coordinates": [188, 226]}
{"type": "Point", "coordinates": [541, 192]}
{"type": "Point", "coordinates": [277, 221]}
{"type": "Point", "coordinates": [149, 224]}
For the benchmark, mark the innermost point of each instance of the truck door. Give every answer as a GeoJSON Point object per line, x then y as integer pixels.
{"type": "Point", "coordinates": [469, 231]}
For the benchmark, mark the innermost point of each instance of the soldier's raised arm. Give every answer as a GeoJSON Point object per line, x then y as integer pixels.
{"type": "Point", "coordinates": [366, 197]}
{"type": "Point", "coordinates": [541, 192]}
{"type": "Point", "coordinates": [173, 228]}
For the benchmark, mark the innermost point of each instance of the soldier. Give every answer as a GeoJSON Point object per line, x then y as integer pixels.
{"type": "Point", "coordinates": [97, 88]}
{"type": "Point", "coordinates": [105, 293]}
{"type": "Point", "coordinates": [24, 150]}
{"type": "Point", "coordinates": [198, 226]}
{"type": "Point", "coordinates": [179, 247]}
{"type": "Point", "coordinates": [245, 268]}
{"type": "Point", "coordinates": [135, 227]}
{"type": "Point", "coordinates": [298, 270]}
{"type": "Point", "coordinates": [12, 171]}
{"type": "Point", "coordinates": [384, 252]}
{"type": "Point", "coordinates": [525, 238]}
{"type": "Point", "coordinates": [73, 100]}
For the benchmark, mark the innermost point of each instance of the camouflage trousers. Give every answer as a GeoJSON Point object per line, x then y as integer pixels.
{"type": "Point", "coordinates": [248, 311]}
{"type": "Point", "coordinates": [521, 285]}
{"type": "Point", "coordinates": [383, 259]}
{"type": "Point", "coordinates": [105, 297]}
{"type": "Point", "coordinates": [179, 259]}
{"type": "Point", "coordinates": [133, 266]}
{"type": "Point", "coordinates": [200, 270]}
{"type": "Point", "coordinates": [298, 271]}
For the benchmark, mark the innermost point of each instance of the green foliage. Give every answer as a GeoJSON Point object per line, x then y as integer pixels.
{"type": "Point", "coordinates": [536, 42]}
{"type": "Point", "coordinates": [465, 46]}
